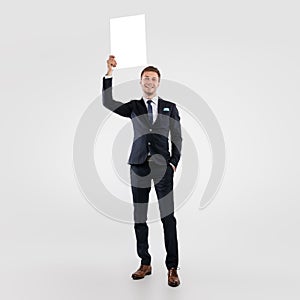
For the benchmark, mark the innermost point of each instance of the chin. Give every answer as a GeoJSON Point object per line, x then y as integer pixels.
{"type": "Point", "coordinates": [148, 92]}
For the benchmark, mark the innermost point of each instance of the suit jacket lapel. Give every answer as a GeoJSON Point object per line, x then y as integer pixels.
{"type": "Point", "coordinates": [143, 111]}
{"type": "Point", "coordinates": [143, 106]}
{"type": "Point", "coordinates": [159, 110]}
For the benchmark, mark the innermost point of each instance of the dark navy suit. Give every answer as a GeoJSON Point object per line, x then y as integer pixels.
{"type": "Point", "coordinates": [149, 160]}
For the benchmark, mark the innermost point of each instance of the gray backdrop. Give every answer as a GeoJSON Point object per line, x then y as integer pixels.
{"type": "Point", "coordinates": [242, 57]}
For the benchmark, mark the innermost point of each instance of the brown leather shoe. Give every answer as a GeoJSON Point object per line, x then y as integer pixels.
{"type": "Point", "coordinates": [173, 279]}
{"type": "Point", "coordinates": [142, 272]}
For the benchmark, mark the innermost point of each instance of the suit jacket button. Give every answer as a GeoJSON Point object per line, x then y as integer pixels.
{"type": "Point", "coordinates": [149, 143]}
{"type": "Point", "coordinates": [150, 129]}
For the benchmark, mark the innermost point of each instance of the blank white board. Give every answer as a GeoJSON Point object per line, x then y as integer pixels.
{"type": "Point", "coordinates": [128, 41]}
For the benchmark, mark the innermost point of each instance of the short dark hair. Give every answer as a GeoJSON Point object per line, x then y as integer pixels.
{"type": "Point", "coordinates": [151, 69]}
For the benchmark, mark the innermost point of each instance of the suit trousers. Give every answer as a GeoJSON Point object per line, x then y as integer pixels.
{"type": "Point", "coordinates": [162, 176]}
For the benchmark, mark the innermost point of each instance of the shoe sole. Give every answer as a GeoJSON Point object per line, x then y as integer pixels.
{"type": "Point", "coordinates": [173, 284]}
{"type": "Point", "coordinates": [137, 278]}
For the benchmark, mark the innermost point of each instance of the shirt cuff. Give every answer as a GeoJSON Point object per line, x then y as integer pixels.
{"type": "Point", "coordinates": [172, 165]}
{"type": "Point", "coordinates": [107, 76]}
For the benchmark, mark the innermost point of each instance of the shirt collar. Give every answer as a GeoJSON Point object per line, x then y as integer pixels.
{"type": "Point", "coordinates": [154, 99]}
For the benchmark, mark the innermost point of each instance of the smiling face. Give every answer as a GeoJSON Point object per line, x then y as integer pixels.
{"type": "Point", "coordinates": [149, 83]}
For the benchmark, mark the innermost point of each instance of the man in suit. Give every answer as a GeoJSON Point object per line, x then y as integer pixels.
{"type": "Point", "coordinates": [153, 119]}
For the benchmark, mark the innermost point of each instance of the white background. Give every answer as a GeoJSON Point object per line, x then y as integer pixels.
{"type": "Point", "coordinates": [242, 57]}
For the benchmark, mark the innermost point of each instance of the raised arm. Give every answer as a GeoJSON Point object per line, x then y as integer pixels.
{"type": "Point", "coordinates": [120, 108]}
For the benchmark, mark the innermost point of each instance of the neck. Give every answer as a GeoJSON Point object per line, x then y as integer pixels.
{"type": "Point", "coordinates": [147, 96]}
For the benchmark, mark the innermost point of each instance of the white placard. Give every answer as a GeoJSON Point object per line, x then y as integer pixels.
{"type": "Point", "coordinates": [128, 41]}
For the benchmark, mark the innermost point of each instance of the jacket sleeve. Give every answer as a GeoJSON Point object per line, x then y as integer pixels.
{"type": "Point", "coordinates": [176, 138]}
{"type": "Point", "coordinates": [120, 108]}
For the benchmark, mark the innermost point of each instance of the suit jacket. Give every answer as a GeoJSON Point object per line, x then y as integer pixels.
{"type": "Point", "coordinates": [153, 138]}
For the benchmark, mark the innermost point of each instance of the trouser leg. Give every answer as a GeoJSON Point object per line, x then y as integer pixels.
{"type": "Point", "coordinates": [141, 186]}
{"type": "Point", "coordinates": [164, 191]}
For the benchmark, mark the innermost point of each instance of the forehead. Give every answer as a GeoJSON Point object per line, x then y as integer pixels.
{"type": "Point", "coordinates": [150, 74]}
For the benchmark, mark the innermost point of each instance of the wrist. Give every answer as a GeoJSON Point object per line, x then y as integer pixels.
{"type": "Point", "coordinates": [174, 168]}
{"type": "Point", "coordinates": [109, 71]}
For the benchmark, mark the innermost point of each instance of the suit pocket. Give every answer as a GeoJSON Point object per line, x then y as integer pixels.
{"type": "Point", "coordinates": [165, 116]}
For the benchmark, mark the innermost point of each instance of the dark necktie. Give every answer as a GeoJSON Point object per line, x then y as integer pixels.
{"type": "Point", "coordinates": [150, 113]}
